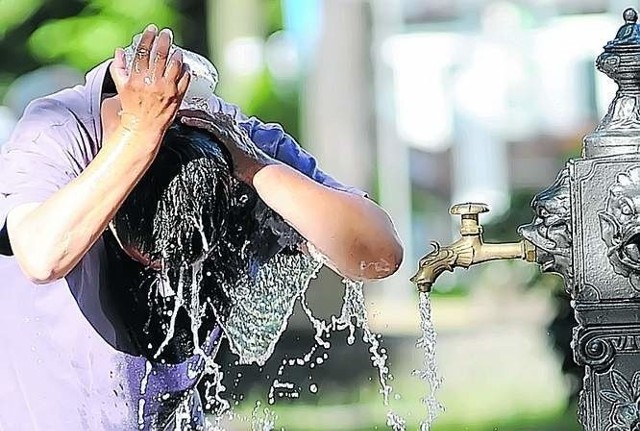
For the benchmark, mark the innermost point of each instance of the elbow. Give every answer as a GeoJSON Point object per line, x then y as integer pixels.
{"type": "Point", "coordinates": [40, 261]}
{"type": "Point", "coordinates": [394, 257]}
{"type": "Point", "coordinates": [38, 267]}
{"type": "Point", "coordinates": [40, 272]}
{"type": "Point", "coordinates": [384, 262]}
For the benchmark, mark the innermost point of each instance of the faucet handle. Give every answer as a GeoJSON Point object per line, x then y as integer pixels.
{"type": "Point", "coordinates": [469, 208]}
{"type": "Point", "coordinates": [469, 213]}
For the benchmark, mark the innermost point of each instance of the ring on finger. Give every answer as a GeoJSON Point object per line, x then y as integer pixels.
{"type": "Point", "coordinates": [148, 80]}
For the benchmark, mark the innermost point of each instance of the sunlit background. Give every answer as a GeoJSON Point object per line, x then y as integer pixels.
{"type": "Point", "coordinates": [423, 103]}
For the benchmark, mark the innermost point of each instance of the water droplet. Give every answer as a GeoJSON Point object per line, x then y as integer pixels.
{"type": "Point", "coordinates": [313, 388]}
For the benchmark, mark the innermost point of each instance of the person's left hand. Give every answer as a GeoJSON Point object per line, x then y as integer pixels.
{"type": "Point", "coordinates": [247, 158]}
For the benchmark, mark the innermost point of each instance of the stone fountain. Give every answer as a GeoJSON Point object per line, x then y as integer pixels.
{"type": "Point", "coordinates": [587, 229]}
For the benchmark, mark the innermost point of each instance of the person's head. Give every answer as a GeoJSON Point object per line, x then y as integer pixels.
{"type": "Point", "coordinates": [208, 233]}
{"type": "Point", "coordinates": [178, 210]}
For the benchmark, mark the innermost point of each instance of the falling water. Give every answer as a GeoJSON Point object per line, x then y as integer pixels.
{"type": "Point", "coordinates": [353, 315]}
{"type": "Point", "coordinates": [429, 371]}
{"type": "Point", "coordinates": [266, 307]}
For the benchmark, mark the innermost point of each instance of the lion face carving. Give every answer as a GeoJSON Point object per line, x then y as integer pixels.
{"type": "Point", "coordinates": [551, 231]}
{"type": "Point", "coordinates": [620, 225]}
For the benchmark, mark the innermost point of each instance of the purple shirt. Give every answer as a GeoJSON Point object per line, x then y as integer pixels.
{"type": "Point", "coordinates": [61, 366]}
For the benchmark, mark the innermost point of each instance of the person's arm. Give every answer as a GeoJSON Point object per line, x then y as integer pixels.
{"type": "Point", "coordinates": [355, 234]}
{"type": "Point", "coordinates": [48, 239]}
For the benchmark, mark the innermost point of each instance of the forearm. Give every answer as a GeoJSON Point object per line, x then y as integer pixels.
{"type": "Point", "coordinates": [355, 234]}
{"type": "Point", "coordinates": [50, 239]}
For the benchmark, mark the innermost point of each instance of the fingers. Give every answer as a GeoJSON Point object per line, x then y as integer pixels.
{"type": "Point", "coordinates": [196, 113]}
{"type": "Point", "coordinates": [174, 69]}
{"type": "Point", "coordinates": [200, 123]}
{"type": "Point", "coordinates": [218, 121]}
{"type": "Point", "coordinates": [118, 68]}
{"type": "Point", "coordinates": [143, 51]}
{"type": "Point", "coordinates": [160, 52]}
{"type": "Point", "coordinates": [184, 80]}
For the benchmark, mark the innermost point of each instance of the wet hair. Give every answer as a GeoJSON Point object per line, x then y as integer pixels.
{"type": "Point", "coordinates": [177, 210]}
{"type": "Point", "coordinates": [208, 229]}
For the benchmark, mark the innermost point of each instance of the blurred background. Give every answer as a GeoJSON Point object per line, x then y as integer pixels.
{"type": "Point", "coordinates": [423, 103]}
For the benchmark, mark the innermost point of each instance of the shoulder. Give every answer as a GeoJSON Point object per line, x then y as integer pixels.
{"type": "Point", "coordinates": [50, 129]}
{"type": "Point", "coordinates": [47, 112]}
{"type": "Point", "coordinates": [44, 117]}
{"type": "Point", "coordinates": [48, 116]}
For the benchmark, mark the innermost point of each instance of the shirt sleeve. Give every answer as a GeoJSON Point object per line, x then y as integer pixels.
{"type": "Point", "coordinates": [36, 161]}
{"type": "Point", "coordinates": [273, 140]}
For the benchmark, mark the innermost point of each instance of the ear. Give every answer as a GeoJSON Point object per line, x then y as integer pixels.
{"type": "Point", "coordinates": [610, 229]}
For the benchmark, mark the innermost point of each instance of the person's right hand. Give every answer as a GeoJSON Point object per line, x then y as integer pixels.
{"type": "Point", "coordinates": [151, 92]}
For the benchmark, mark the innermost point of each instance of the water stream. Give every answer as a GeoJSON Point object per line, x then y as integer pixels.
{"type": "Point", "coordinates": [429, 371]}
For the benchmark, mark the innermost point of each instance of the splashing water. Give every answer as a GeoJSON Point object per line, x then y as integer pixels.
{"type": "Point", "coordinates": [353, 315]}
{"type": "Point", "coordinates": [429, 372]}
{"type": "Point", "coordinates": [263, 306]}
{"type": "Point", "coordinates": [396, 422]}
{"type": "Point", "coordinates": [262, 420]}
{"type": "Point", "coordinates": [260, 303]}
{"type": "Point", "coordinates": [354, 309]}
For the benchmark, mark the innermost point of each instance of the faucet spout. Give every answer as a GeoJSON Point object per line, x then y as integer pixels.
{"type": "Point", "coordinates": [468, 250]}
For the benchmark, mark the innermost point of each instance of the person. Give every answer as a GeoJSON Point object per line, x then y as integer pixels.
{"type": "Point", "coordinates": [70, 164]}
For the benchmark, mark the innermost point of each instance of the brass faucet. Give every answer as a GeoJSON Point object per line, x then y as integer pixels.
{"type": "Point", "coordinates": [469, 250]}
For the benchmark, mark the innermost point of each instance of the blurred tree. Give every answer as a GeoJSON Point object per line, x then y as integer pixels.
{"type": "Point", "coordinates": [90, 36]}
{"type": "Point", "coordinates": [257, 91]}
{"type": "Point", "coordinates": [271, 105]}
{"type": "Point", "coordinates": [79, 33]}
{"type": "Point", "coordinates": [18, 20]}
{"type": "Point", "coordinates": [193, 25]}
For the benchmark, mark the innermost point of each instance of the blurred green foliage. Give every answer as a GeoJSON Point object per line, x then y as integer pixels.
{"type": "Point", "coordinates": [78, 33]}
{"type": "Point", "coordinates": [264, 97]}
{"type": "Point", "coordinates": [272, 104]}
{"type": "Point", "coordinates": [83, 33]}
{"type": "Point", "coordinates": [15, 12]}
{"type": "Point", "coordinates": [90, 37]}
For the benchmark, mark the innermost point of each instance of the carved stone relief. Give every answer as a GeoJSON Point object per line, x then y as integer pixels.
{"type": "Point", "coordinates": [551, 231]}
{"type": "Point", "coordinates": [620, 225]}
